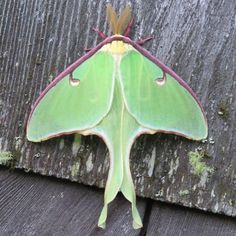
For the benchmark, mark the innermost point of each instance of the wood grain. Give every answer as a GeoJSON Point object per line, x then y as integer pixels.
{"type": "Point", "coordinates": [34, 205]}
{"type": "Point", "coordinates": [30, 205]}
{"type": "Point", "coordinates": [169, 220]}
{"type": "Point", "coordinates": [41, 38]}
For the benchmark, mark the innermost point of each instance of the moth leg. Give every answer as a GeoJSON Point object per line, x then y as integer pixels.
{"type": "Point", "coordinates": [128, 29]}
{"type": "Point", "coordinates": [143, 41]}
{"type": "Point", "coordinates": [88, 49]}
{"type": "Point", "coordinates": [100, 33]}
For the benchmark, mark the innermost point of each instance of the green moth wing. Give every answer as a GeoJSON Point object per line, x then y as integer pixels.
{"type": "Point", "coordinates": [158, 100]}
{"type": "Point", "coordinates": [69, 103]}
{"type": "Point", "coordinates": [117, 91]}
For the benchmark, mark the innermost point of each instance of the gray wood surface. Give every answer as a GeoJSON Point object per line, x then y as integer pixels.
{"type": "Point", "coordinates": [41, 38]}
{"type": "Point", "coordinates": [34, 205]}
{"type": "Point", "coordinates": [30, 205]}
{"type": "Point", "coordinates": [166, 220]}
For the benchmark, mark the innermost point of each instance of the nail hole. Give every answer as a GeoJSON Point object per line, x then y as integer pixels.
{"type": "Point", "coordinates": [73, 81]}
{"type": "Point", "coordinates": [161, 80]}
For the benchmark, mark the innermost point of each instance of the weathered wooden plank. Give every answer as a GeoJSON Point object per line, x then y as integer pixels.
{"type": "Point", "coordinates": [40, 38]}
{"type": "Point", "coordinates": [174, 220]}
{"type": "Point", "coordinates": [33, 205]}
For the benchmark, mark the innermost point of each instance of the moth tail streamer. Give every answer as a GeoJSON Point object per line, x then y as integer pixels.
{"type": "Point", "coordinates": [120, 179]}
{"type": "Point", "coordinates": [114, 180]}
{"type": "Point", "coordinates": [119, 176]}
{"type": "Point", "coordinates": [128, 190]}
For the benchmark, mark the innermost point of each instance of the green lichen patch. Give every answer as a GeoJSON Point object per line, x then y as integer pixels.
{"type": "Point", "coordinates": [231, 202]}
{"type": "Point", "coordinates": [183, 193]}
{"type": "Point", "coordinates": [5, 157]}
{"type": "Point", "coordinates": [223, 110]}
{"type": "Point", "coordinates": [75, 169]}
{"type": "Point", "coordinates": [76, 144]}
{"type": "Point", "coordinates": [198, 165]}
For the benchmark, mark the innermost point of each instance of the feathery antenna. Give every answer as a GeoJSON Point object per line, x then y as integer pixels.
{"type": "Point", "coordinates": [118, 25]}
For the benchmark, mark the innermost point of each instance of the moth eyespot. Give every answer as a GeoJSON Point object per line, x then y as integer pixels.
{"type": "Point", "coordinates": [160, 81]}
{"type": "Point", "coordinates": [73, 81]}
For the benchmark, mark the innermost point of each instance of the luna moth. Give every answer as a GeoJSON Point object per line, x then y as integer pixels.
{"type": "Point", "coordinates": [117, 91]}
